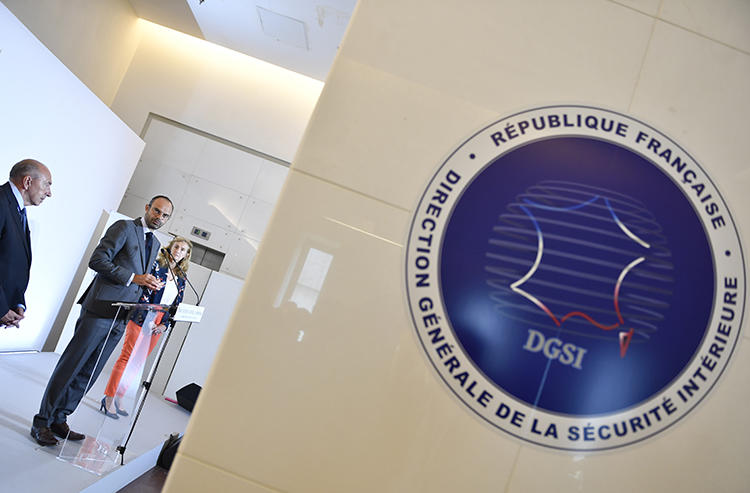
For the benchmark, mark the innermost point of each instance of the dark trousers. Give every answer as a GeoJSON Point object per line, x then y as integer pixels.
{"type": "Point", "coordinates": [78, 367]}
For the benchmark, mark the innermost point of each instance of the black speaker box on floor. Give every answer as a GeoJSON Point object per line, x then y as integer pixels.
{"type": "Point", "coordinates": [187, 395]}
{"type": "Point", "coordinates": [168, 451]}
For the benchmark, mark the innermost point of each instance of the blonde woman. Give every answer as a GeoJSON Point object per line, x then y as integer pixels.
{"type": "Point", "coordinates": [170, 294]}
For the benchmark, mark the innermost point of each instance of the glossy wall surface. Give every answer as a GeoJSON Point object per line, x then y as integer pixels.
{"type": "Point", "coordinates": [338, 395]}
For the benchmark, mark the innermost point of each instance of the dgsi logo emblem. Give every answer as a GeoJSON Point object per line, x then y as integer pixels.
{"type": "Point", "coordinates": [575, 278]}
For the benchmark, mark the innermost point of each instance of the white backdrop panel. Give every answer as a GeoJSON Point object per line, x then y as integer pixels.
{"type": "Point", "coordinates": [49, 115]}
{"type": "Point", "coordinates": [203, 340]}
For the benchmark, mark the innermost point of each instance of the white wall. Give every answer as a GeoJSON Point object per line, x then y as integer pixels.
{"type": "Point", "coordinates": [223, 189]}
{"type": "Point", "coordinates": [203, 339]}
{"type": "Point", "coordinates": [341, 397]}
{"type": "Point", "coordinates": [224, 93]}
{"type": "Point", "coordinates": [216, 90]}
{"type": "Point", "coordinates": [49, 115]}
{"type": "Point", "coordinates": [95, 39]}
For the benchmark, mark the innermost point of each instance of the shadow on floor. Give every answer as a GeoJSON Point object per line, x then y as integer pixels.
{"type": "Point", "coordinates": [150, 482]}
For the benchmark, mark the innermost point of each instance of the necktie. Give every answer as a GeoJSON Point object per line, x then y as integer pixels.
{"type": "Point", "coordinates": [22, 212]}
{"type": "Point", "coordinates": [149, 243]}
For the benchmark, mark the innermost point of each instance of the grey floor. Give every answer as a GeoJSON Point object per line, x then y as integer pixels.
{"type": "Point", "coordinates": [27, 467]}
{"type": "Point", "coordinates": [150, 482]}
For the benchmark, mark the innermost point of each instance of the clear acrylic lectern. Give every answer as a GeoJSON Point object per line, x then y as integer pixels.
{"type": "Point", "coordinates": [99, 451]}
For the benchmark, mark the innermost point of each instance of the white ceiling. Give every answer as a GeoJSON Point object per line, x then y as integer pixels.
{"type": "Point", "coordinates": [299, 35]}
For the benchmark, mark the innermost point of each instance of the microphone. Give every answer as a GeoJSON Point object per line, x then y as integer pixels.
{"type": "Point", "coordinates": [182, 272]}
{"type": "Point", "coordinates": [173, 306]}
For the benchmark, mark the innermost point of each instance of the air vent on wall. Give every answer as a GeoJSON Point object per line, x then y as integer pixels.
{"type": "Point", "coordinates": [200, 233]}
{"type": "Point", "coordinates": [207, 257]}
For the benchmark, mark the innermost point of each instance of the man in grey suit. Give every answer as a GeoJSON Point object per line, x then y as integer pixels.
{"type": "Point", "coordinates": [121, 261]}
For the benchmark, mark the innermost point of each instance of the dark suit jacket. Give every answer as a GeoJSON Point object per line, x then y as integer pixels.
{"type": "Point", "coordinates": [15, 253]}
{"type": "Point", "coordinates": [120, 253]}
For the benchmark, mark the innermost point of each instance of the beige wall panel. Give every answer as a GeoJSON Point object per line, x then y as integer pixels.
{"type": "Point", "coordinates": [383, 116]}
{"type": "Point", "coordinates": [650, 7]}
{"type": "Point", "coordinates": [95, 39]}
{"type": "Point", "coordinates": [339, 399]}
{"type": "Point", "coordinates": [216, 90]}
{"type": "Point", "coordinates": [383, 135]}
{"type": "Point", "coordinates": [704, 452]}
{"type": "Point", "coordinates": [697, 90]}
{"type": "Point", "coordinates": [505, 55]}
{"type": "Point", "coordinates": [339, 396]}
{"type": "Point", "coordinates": [188, 475]}
{"type": "Point", "coordinates": [726, 21]}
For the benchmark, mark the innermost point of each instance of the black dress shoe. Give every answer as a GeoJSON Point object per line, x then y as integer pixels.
{"type": "Point", "coordinates": [63, 430]}
{"type": "Point", "coordinates": [43, 435]}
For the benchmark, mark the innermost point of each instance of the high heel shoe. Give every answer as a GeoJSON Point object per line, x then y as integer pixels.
{"type": "Point", "coordinates": [103, 408]}
{"type": "Point", "coordinates": [121, 412]}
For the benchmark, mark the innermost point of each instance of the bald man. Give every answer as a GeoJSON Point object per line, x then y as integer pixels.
{"type": "Point", "coordinates": [30, 183]}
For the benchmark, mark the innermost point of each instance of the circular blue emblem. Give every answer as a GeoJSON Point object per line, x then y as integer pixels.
{"type": "Point", "coordinates": [575, 278]}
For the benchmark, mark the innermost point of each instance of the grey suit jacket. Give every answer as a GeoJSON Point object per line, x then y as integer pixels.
{"type": "Point", "coordinates": [120, 253]}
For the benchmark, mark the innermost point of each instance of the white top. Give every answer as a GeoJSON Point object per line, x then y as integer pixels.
{"type": "Point", "coordinates": [170, 293]}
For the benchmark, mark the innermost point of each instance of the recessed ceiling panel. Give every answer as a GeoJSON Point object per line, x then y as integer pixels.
{"type": "Point", "coordinates": [299, 35]}
{"type": "Point", "coordinates": [284, 29]}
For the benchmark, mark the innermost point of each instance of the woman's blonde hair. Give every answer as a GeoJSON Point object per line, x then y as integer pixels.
{"type": "Point", "coordinates": [182, 264]}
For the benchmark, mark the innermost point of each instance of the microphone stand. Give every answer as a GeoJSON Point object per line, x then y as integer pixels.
{"type": "Point", "coordinates": [184, 275]}
{"type": "Point", "coordinates": [147, 383]}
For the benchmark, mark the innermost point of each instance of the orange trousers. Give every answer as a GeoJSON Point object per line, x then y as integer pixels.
{"type": "Point", "coordinates": [131, 339]}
